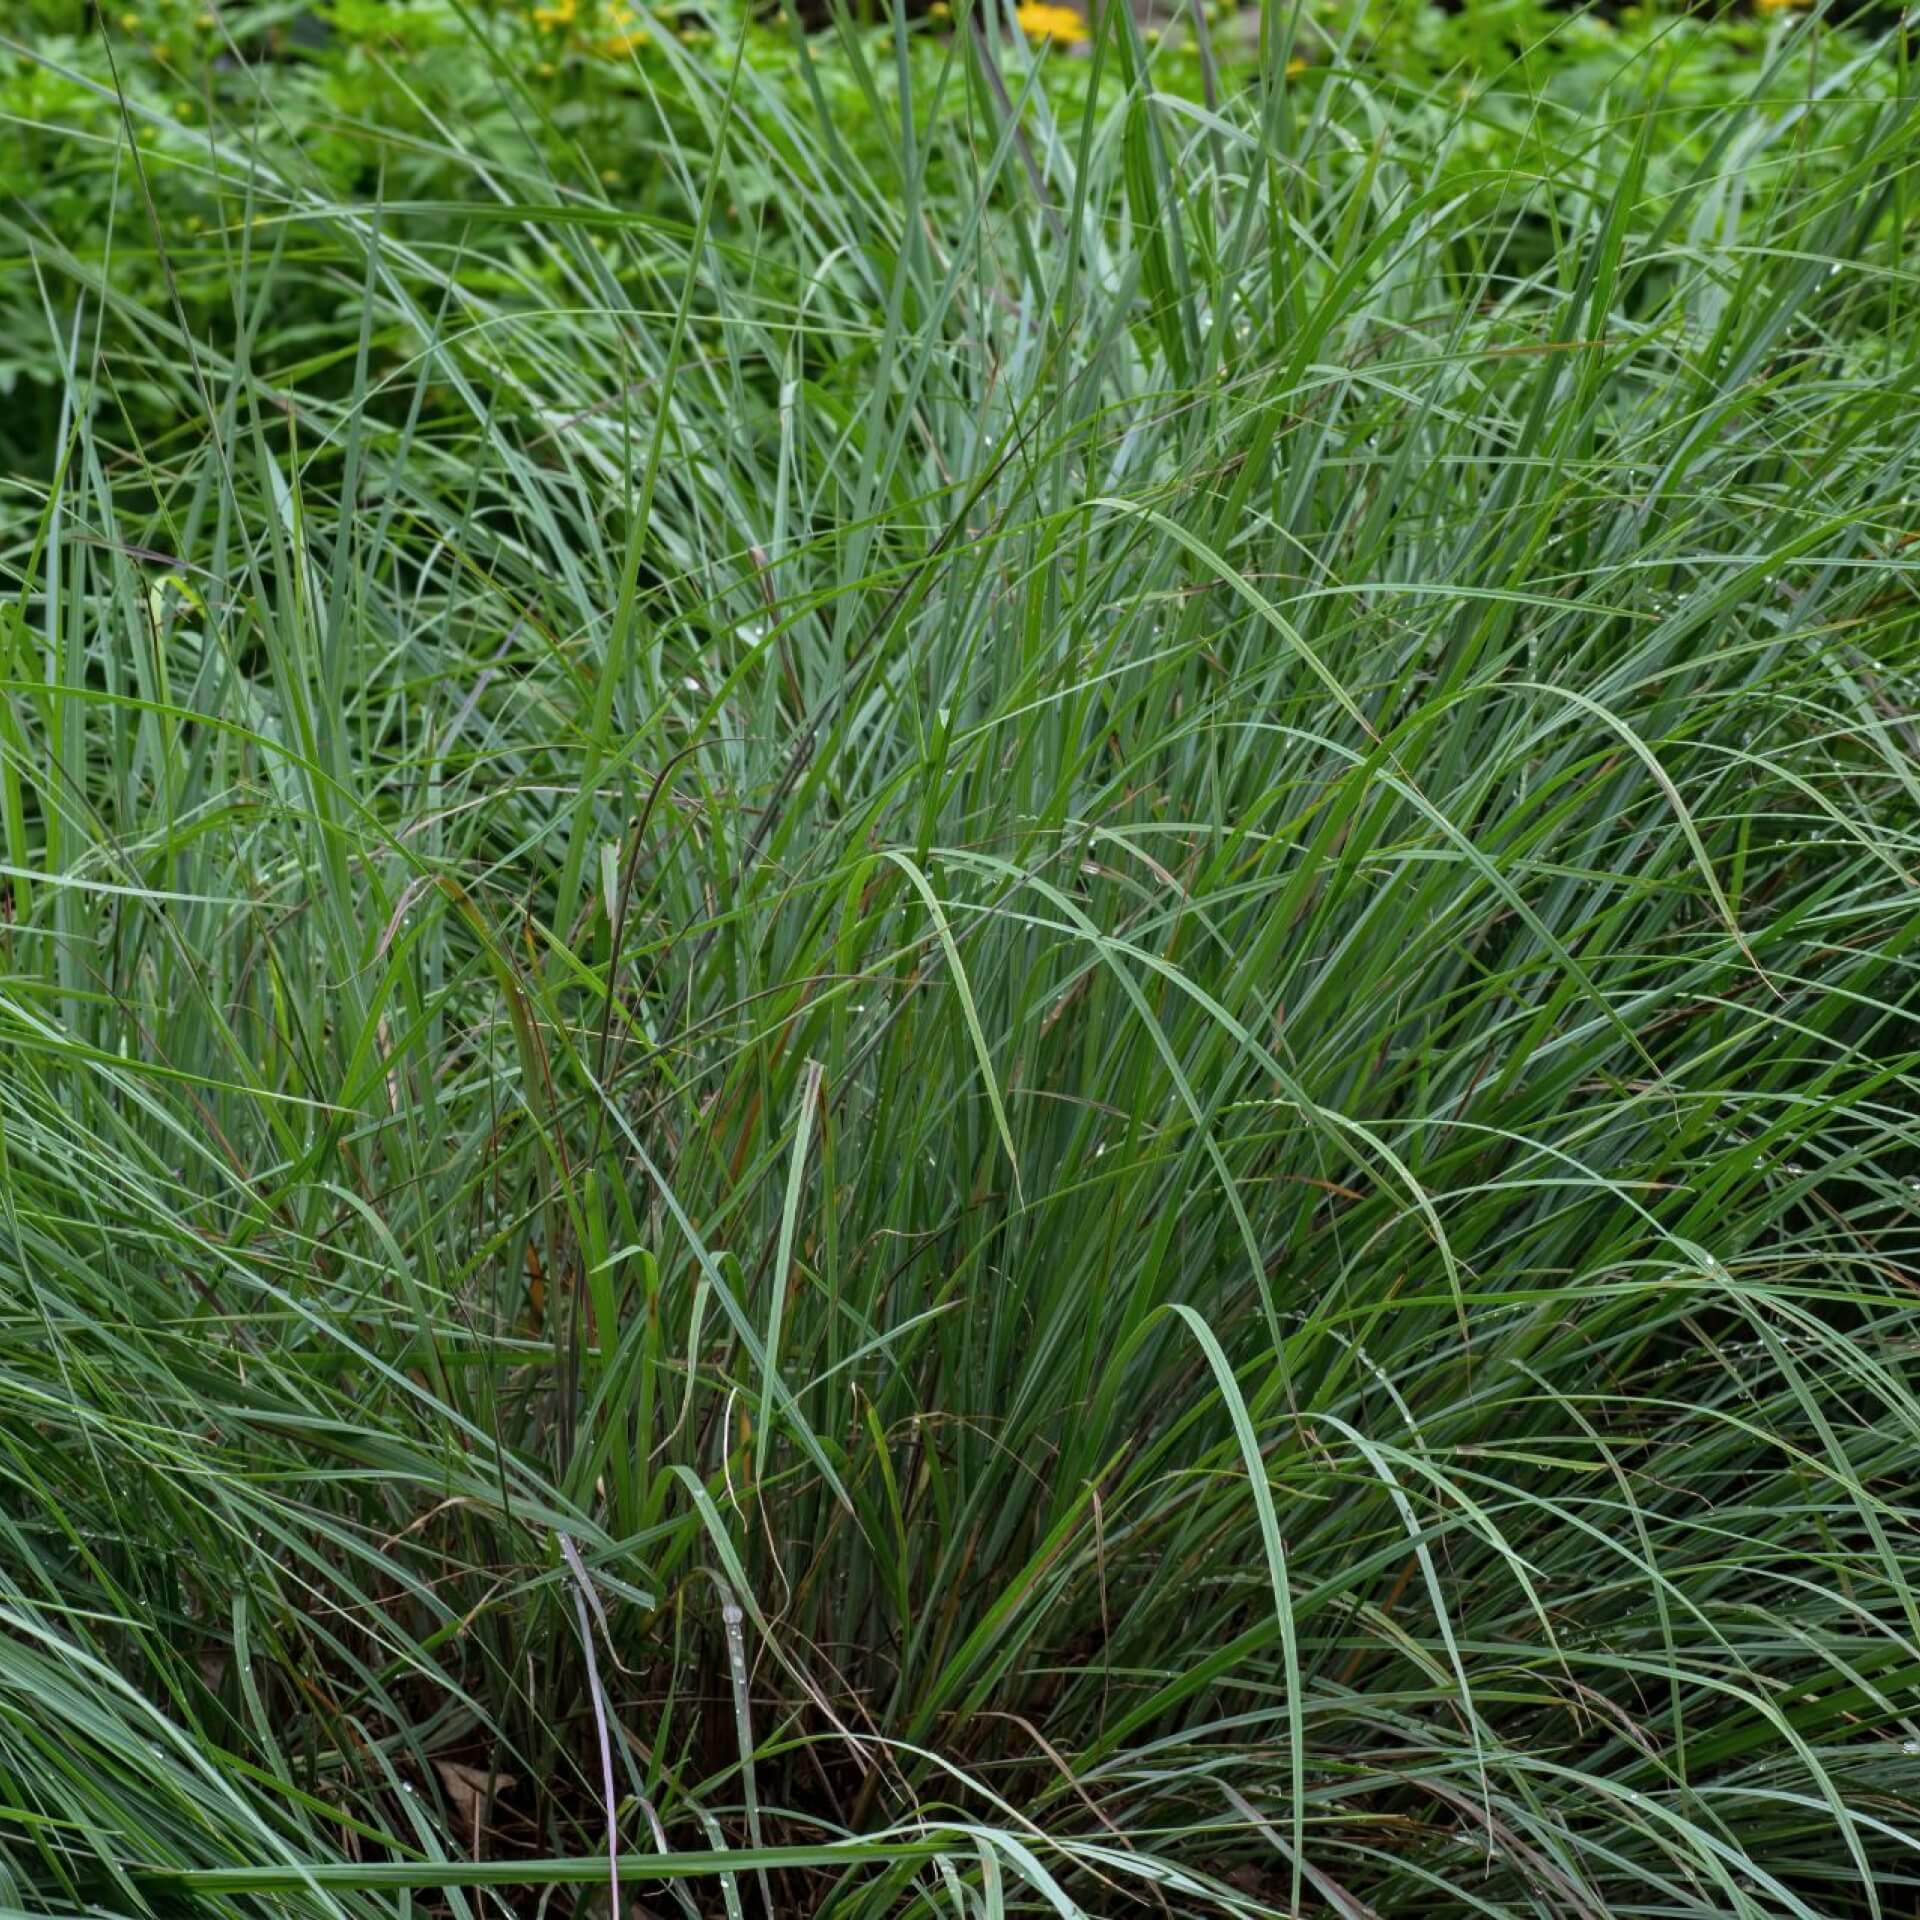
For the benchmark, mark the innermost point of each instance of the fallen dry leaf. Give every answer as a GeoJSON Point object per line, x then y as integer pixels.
{"type": "Point", "coordinates": [467, 1791]}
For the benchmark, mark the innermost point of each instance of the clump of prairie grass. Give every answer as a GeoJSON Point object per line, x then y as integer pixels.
{"type": "Point", "coordinates": [1015, 1017]}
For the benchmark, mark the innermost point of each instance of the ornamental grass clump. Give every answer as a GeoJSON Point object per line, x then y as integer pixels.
{"type": "Point", "coordinates": [1005, 1005]}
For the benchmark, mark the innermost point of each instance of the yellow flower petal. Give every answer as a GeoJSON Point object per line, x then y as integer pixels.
{"type": "Point", "coordinates": [1042, 22]}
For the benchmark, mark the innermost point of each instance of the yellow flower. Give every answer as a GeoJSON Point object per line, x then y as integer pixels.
{"type": "Point", "coordinates": [1041, 22]}
{"type": "Point", "coordinates": [129, 23]}
{"type": "Point", "coordinates": [1778, 6]}
{"type": "Point", "coordinates": [1295, 68]}
{"type": "Point", "coordinates": [939, 10]}
{"type": "Point", "coordinates": [559, 14]}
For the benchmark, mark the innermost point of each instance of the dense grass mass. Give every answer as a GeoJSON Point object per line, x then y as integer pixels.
{"type": "Point", "coordinates": [1004, 1005]}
